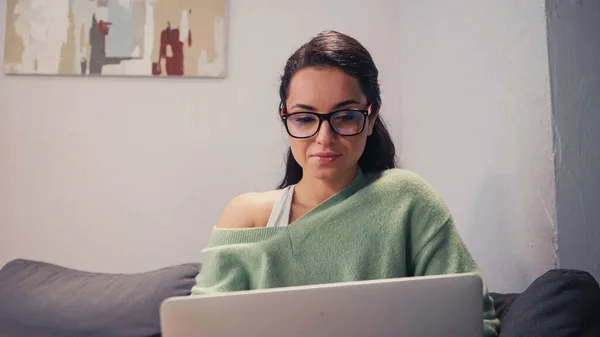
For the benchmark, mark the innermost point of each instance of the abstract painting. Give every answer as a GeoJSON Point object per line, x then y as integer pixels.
{"type": "Point", "coordinates": [116, 37]}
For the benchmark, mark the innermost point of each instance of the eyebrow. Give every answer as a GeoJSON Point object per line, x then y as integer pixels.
{"type": "Point", "coordinates": [337, 106]}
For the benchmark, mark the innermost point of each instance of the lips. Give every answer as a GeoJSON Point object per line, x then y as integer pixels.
{"type": "Point", "coordinates": [328, 154]}
{"type": "Point", "coordinates": [326, 157]}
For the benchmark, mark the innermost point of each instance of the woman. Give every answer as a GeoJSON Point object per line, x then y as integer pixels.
{"type": "Point", "coordinates": [343, 212]}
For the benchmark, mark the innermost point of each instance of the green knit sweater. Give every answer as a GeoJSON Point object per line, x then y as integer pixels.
{"type": "Point", "coordinates": [381, 225]}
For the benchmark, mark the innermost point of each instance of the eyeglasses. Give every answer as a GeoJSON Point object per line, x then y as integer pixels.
{"type": "Point", "coordinates": [344, 122]}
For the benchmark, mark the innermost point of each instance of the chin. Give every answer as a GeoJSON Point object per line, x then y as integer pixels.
{"type": "Point", "coordinates": [326, 174]}
{"type": "Point", "coordinates": [329, 173]}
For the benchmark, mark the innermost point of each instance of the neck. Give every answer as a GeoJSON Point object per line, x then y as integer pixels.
{"type": "Point", "coordinates": [311, 191]}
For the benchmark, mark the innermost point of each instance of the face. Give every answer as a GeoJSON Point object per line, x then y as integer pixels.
{"type": "Point", "coordinates": [328, 155]}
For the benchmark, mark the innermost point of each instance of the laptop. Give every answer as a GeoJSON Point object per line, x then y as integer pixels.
{"type": "Point", "coordinates": [441, 305]}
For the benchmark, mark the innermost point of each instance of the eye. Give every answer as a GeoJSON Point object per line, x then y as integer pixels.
{"type": "Point", "coordinates": [303, 118]}
{"type": "Point", "coordinates": [346, 116]}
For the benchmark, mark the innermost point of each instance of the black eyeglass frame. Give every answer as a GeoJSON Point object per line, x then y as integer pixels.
{"type": "Point", "coordinates": [327, 117]}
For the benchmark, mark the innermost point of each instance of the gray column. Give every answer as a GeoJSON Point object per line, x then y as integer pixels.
{"type": "Point", "coordinates": [574, 55]}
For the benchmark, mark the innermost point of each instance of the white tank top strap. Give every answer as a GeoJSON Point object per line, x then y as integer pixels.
{"type": "Point", "coordinates": [280, 215]}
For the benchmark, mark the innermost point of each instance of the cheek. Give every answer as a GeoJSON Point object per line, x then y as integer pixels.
{"type": "Point", "coordinates": [299, 148]}
{"type": "Point", "coordinates": [356, 145]}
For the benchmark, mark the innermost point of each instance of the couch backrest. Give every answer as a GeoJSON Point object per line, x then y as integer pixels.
{"type": "Point", "coordinates": [560, 303]}
{"type": "Point", "coordinates": [43, 299]}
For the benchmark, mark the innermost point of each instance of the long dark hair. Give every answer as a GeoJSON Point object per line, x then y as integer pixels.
{"type": "Point", "coordinates": [334, 49]}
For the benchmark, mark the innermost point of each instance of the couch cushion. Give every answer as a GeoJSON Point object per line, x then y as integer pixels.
{"type": "Point", "coordinates": [42, 299]}
{"type": "Point", "coordinates": [502, 303]}
{"type": "Point", "coordinates": [560, 303]}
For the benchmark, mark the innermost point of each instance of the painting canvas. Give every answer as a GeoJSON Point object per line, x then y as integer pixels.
{"type": "Point", "coordinates": [116, 37]}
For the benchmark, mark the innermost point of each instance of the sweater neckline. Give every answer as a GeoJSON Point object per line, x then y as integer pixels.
{"type": "Point", "coordinates": [304, 225]}
{"type": "Point", "coordinates": [296, 231]}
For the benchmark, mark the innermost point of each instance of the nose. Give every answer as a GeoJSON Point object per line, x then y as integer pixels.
{"type": "Point", "coordinates": [326, 135]}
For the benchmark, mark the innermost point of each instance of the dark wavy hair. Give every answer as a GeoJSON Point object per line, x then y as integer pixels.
{"type": "Point", "coordinates": [334, 49]}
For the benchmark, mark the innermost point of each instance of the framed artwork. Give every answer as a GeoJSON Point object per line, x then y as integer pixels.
{"type": "Point", "coordinates": [116, 37]}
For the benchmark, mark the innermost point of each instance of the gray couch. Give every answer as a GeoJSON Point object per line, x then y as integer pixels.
{"type": "Point", "coordinates": [39, 299]}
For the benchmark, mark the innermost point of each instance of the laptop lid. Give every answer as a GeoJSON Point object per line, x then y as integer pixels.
{"type": "Point", "coordinates": [441, 305]}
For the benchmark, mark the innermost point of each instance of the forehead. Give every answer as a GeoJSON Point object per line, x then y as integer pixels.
{"type": "Point", "coordinates": [323, 87]}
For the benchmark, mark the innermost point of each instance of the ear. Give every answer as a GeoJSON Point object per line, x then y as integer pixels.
{"type": "Point", "coordinates": [371, 120]}
{"type": "Point", "coordinates": [281, 110]}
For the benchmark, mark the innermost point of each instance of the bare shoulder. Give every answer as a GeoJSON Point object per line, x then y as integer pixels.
{"type": "Point", "coordinates": [248, 210]}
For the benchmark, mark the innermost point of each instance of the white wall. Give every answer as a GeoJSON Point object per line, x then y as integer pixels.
{"type": "Point", "coordinates": [125, 174]}
{"type": "Point", "coordinates": [475, 121]}
{"type": "Point", "coordinates": [128, 175]}
{"type": "Point", "coordinates": [574, 42]}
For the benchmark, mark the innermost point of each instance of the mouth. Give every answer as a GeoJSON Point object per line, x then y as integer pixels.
{"type": "Point", "coordinates": [326, 157]}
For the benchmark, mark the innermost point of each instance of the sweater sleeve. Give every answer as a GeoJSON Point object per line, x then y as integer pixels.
{"type": "Point", "coordinates": [439, 249]}
{"type": "Point", "coordinates": [221, 272]}
{"type": "Point", "coordinates": [445, 253]}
